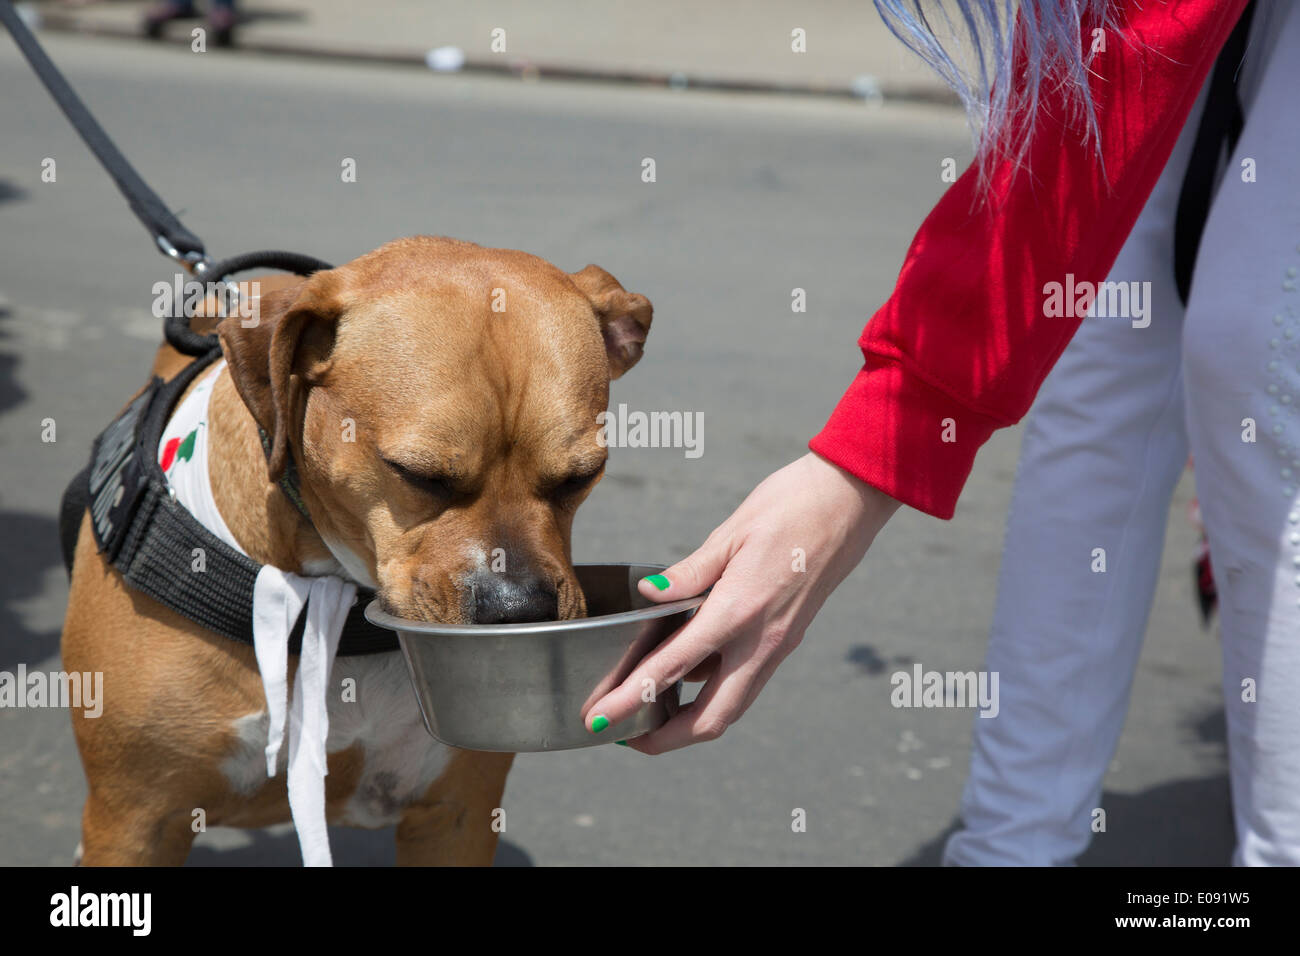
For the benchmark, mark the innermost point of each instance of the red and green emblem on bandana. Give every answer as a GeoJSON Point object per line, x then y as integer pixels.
{"type": "Point", "coordinates": [182, 448]}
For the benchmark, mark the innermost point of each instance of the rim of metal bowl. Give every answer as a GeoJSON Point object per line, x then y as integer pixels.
{"type": "Point", "coordinates": [381, 618]}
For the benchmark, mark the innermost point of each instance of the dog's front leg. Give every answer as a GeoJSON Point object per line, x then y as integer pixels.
{"type": "Point", "coordinates": [116, 834]}
{"type": "Point", "coordinates": [458, 821]}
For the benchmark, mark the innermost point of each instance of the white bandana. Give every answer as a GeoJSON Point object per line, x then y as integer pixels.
{"type": "Point", "coordinates": [278, 599]}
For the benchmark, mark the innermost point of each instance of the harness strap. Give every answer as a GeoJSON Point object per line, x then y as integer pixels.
{"type": "Point", "coordinates": [159, 557]}
{"type": "Point", "coordinates": [164, 551]}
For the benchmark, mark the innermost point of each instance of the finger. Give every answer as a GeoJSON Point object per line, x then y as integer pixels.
{"type": "Point", "coordinates": [720, 704]}
{"type": "Point", "coordinates": [704, 670]}
{"type": "Point", "coordinates": [711, 627]}
{"type": "Point", "coordinates": [696, 572]}
{"type": "Point", "coordinates": [761, 678]}
{"type": "Point", "coordinates": [765, 673]}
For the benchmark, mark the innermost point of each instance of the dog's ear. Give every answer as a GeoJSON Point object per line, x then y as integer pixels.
{"type": "Point", "coordinates": [285, 345]}
{"type": "Point", "coordinates": [624, 317]}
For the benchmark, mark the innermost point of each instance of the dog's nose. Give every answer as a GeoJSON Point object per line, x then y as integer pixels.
{"type": "Point", "coordinates": [508, 599]}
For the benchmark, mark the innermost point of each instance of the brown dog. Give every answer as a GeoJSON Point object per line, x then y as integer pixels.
{"type": "Point", "coordinates": [469, 381]}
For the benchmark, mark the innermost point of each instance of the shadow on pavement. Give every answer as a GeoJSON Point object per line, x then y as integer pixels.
{"type": "Point", "coordinates": [278, 846]}
{"type": "Point", "coordinates": [30, 542]}
{"type": "Point", "coordinates": [868, 661]}
{"type": "Point", "coordinates": [1184, 823]}
{"type": "Point", "coordinates": [11, 393]}
{"type": "Point", "coordinates": [9, 192]}
{"type": "Point", "coordinates": [30, 549]}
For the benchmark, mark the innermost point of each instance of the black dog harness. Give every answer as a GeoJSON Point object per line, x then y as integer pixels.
{"type": "Point", "coordinates": [144, 532]}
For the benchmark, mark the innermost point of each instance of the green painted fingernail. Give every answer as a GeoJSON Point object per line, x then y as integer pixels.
{"type": "Point", "coordinates": [659, 581]}
{"type": "Point", "coordinates": [621, 743]}
{"type": "Point", "coordinates": [599, 723]}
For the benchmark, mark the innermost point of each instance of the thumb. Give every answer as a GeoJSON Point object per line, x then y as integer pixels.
{"type": "Point", "coordinates": [693, 574]}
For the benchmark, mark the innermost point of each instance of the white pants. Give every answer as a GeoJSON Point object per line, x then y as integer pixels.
{"type": "Point", "coordinates": [1102, 451]}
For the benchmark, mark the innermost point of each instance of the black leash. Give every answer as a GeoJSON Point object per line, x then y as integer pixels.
{"type": "Point", "coordinates": [171, 237]}
{"type": "Point", "coordinates": [137, 522]}
{"type": "Point", "coordinates": [176, 327]}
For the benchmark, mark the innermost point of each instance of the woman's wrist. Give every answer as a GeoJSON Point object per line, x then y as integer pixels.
{"type": "Point", "coordinates": [868, 504]}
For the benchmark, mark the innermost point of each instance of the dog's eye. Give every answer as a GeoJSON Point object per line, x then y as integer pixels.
{"type": "Point", "coordinates": [430, 484]}
{"type": "Point", "coordinates": [577, 483]}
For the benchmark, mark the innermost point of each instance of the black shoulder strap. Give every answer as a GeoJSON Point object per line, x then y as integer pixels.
{"type": "Point", "coordinates": [164, 552]}
{"type": "Point", "coordinates": [1222, 122]}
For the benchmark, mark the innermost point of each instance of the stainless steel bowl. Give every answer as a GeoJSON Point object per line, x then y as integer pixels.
{"type": "Point", "coordinates": [524, 687]}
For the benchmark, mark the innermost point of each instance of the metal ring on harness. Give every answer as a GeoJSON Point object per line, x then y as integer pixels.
{"type": "Point", "coordinates": [176, 327]}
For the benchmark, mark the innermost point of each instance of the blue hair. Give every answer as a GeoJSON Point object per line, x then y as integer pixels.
{"type": "Point", "coordinates": [983, 48]}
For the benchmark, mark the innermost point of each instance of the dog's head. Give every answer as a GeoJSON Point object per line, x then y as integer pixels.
{"type": "Point", "coordinates": [440, 402]}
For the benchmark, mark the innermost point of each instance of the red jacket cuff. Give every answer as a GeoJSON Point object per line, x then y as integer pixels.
{"type": "Point", "coordinates": [904, 437]}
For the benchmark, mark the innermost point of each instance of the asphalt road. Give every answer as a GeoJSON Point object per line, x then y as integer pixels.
{"type": "Point", "coordinates": [753, 198]}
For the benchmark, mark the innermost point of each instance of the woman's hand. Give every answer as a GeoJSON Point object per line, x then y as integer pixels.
{"type": "Point", "coordinates": [772, 565]}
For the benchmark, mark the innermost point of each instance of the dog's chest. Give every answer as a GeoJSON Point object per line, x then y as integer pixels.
{"type": "Point", "coordinates": [370, 703]}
